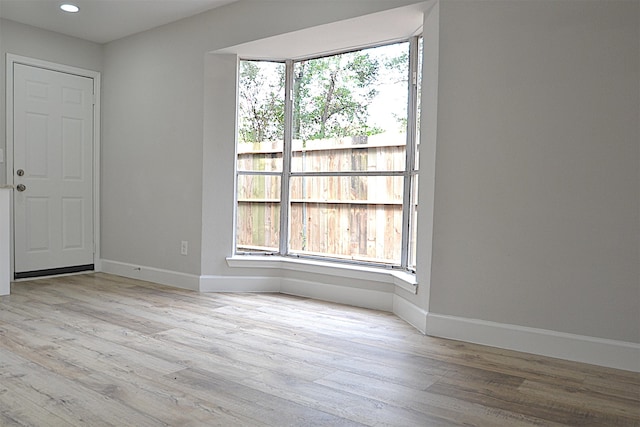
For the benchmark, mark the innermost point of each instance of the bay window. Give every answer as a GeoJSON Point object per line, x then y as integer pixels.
{"type": "Point", "coordinates": [327, 156]}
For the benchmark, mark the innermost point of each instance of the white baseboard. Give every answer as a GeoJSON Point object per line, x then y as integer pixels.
{"type": "Point", "coordinates": [352, 296]}
{"type": "Point", "coordinates": [151, 274]}
{"type": "Point", "coordinates": [358, 297]}
{"type": "Point", "coordinates": [579, 348]}
{"type": "Point", "coordinates": [239, 284]}
{"type": "Point", "coordinates": [410, 313]}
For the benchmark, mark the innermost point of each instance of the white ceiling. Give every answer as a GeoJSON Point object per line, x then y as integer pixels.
{"type": "Point", "coordinates": [102, 21]}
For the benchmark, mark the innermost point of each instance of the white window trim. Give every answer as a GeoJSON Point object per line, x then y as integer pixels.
{"type": "Point", "coordinates": [401, 279]}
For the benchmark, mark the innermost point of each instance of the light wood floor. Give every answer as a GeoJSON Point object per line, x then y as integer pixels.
{"type": "Point", "coordinates": [96, 350]}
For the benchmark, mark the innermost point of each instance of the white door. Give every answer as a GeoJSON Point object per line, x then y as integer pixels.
{"type": "Point", "coordinates": [53, 171]}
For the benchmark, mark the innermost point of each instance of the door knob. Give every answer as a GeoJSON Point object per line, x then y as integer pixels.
{"type": "Point", "coordinates": [21, 187]}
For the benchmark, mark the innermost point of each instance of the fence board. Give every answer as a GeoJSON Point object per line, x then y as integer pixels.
{"type": "Point", "coordinates": [353, 217]}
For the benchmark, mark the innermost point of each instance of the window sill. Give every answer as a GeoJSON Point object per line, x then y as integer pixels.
{"type": "Point", "coordinates": [401, 279]}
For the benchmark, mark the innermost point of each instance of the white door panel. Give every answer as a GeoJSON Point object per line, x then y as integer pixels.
{"type": "Point", "coordinates": [53, 146]}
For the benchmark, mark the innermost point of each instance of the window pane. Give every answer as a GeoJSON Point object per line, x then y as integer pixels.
{"type": "Point", "coordinates": [352, 109]}
{"type": "Point", "coordinates": [349, 217]}
{"type": "Point", "coordinates": [413, 224]}
{"type": "Point", "coordinates": [260, 116]}
{"type": "Point", "coordinates": [413, 220]}
{"type": "Point", "coordinates": [419, 103]}
{"type": "Point", "coordinates": [258, 213]}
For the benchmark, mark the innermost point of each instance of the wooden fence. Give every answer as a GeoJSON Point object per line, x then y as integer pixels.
{"type": "Point", "coordinates": [352, 217]}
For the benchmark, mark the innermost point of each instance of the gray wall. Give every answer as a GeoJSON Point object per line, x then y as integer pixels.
{"type": "Point", "coordinates": [537, 198]}
{"type": "Point", "coordinates": [24, 40]}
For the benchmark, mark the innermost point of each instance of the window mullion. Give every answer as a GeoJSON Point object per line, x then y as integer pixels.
{"type": "Point", "coordinates": [412, 111]}
{"type": "Point", "coordinates": [286, 159]}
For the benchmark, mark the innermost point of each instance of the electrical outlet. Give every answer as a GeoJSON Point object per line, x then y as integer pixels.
{"type": "Point", "coordinates": [184, 247]}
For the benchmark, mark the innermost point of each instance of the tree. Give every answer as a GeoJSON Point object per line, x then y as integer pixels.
{"type": "Point", "coordinates": [396, 71]}
{"type": "Point", "coordinates": [331, 95]}
{"type": "Point", "coordinates": [261, 101]}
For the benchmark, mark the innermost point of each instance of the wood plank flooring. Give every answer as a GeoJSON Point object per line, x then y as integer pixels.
{"type": "Point", "coordinates": [101, 350]}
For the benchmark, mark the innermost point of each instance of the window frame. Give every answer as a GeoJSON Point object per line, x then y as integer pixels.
{"type": "Point", "coordinates": [409, 174]}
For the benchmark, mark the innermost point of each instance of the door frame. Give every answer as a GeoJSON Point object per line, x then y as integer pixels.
{"type": "Point", "coordinates": [95, 75]}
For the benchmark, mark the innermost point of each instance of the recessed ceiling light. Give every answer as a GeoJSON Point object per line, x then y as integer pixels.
{"type": "Point", "coordinates": [71, 8]}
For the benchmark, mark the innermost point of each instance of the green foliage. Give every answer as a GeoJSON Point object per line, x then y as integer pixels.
{"type": "Point", "coordinates": [261, 105]}
{"type": "Point", "coordinates": [331, 96]}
